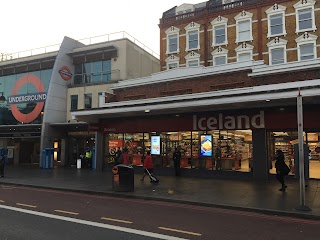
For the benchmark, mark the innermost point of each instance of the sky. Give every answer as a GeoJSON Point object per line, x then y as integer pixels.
{"type": "Point", "coordinates": [29, 24]}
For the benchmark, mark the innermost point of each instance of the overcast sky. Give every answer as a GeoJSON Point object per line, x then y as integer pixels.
{"type": "Point", "coordinates": [28, 24]}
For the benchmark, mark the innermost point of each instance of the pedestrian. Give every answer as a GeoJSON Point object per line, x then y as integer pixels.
{"type": "Point", "coordinates": [176, 157]}
{"type": "Point", "coordinates": [88, 158]}
{"type": "Point", "coordinates": [117, 156]}
{"type": "Point", "coordinates": [281, 168]}
{"type": "Point", "coordinates": [218, 158]}
{"type": "Point", "coordinates": [125, 157]}
{"type": "Point", "coordinates": [2, 163]}
{"type": "Point", "coordinates": [147, 164]}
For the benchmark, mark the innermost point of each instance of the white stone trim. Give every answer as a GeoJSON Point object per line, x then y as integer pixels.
{"type": "Point", "coordinates": [276, 44]}
{"type": "Point", "coordinates": [307, 38]}
{"type": "Point", "coordinates": [215, 98]}
{"type": "Point", "coordinates": [244, 48]}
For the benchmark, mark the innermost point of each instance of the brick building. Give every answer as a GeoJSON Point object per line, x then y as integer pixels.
{"type": "Point", "coordinates": [227, 92]}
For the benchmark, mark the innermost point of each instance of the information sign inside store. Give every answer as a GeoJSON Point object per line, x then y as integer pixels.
{"type": "Point", "coordinates": [206, 145]}
{"type": "Point", "coordinates": [155, 145]}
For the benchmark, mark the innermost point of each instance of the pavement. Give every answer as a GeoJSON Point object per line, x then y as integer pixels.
{"type": "Point", "coordinates": [239, 194]}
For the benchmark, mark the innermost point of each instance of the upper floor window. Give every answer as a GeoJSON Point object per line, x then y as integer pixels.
{"type": "Point", "coordinates": [88, 100]}
{"type": "Point", "coordinates": [277, 51]}
{"type": "Point", "coordinates": [74, 102]}
{"type": "Point", "coordinates": [219, 56]}
{"type": "Point", "coordinates": [244, 26]}
{"type": "Point", "coordinates": [92, 72]}
{"type": "Point", "coordinates": [193, 59]}
{"type": "Point", "coordinates": [306, 44]}
{"type": "Point", "coordinates": [219, 30]}
{"type": "Point", "coordinates": [244, 52]}
{"type": "Point", "coordinates": [172, 40]}
{"type": "Point", "coordinates": [172, 62]}
{"type": "Point", "coordinates": [276, 20]}
{"type": "Point", "coordinates": [192, 36]}
{"type": "Point", "coordinates": [193, 63]}
{"type": "Point", "coordinates": [305, 18]}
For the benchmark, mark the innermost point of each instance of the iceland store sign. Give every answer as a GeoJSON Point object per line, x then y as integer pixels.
{"type": "Point", "coordinates": [39, 98]}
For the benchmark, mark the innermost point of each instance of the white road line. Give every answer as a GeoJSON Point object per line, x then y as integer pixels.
{"type": "Point", "coordinates": [62, 211]}
{"type": "Point", "coordinates": [116, 220]}
{"type": "Point", "coordinates": [94, 224]}
{"type": "Point", "coordinates": [180, 231]}
{"type": "Point", "coordinates": [25, 205]}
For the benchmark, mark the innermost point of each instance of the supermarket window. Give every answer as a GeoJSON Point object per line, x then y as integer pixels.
{"type": "Point", "coordinates": [74, 102]}
{"type": "Point", "coordinates": [172, 40]}
{"type": "Point", "coordinates": [305, 17]}
{"type": "Point", "coordinates": [88, 100]}
{"type": "Point", "coordinates": [244, 26]}
{"type": "Point", "coordinates": [192, 36]}
{"type": "Point", "coordinates": [276, 20]}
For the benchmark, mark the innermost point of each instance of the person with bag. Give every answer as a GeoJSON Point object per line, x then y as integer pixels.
{"type": "Point", "coordinates": [281, 168]}
{"type": "Point", "coordinates": [147, 166]}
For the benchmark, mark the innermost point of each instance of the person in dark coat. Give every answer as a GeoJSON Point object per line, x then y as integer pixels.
{"type": "Point", "coordinates": [281, 168]}
{"type": "Point", "coordinates": [2, 163]}
{"type": "Point", "coordinates": [176, 160]}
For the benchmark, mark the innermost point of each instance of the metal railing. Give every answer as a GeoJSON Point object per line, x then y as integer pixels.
{"type": "Point", "coordinates": [86, 41]}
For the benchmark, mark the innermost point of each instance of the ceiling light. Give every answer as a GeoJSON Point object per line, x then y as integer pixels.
{"type": "Point", "coordinates": [267, 100]}
{"type": "Point", "coordinates": [147, 111]}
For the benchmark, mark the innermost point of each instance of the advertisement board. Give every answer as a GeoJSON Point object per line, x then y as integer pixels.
{"type": "Point", "coordinates": [206, 145]}
{"type": "Point", "coordinates": [155, 145]}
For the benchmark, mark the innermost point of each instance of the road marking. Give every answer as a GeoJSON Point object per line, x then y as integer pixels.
{"type": "Point", "coordinates": [2, 201]}
{"type": "Point", "coordinates": [180, 231]}
{"type": "Point", "coordinates": [116, 220]}
{"type": "Point", "coordinates": [25, 205]}
{"type": "Point", "coordinates": [94, 224]}
{"type": "Point", "coordinates": [61, 211]}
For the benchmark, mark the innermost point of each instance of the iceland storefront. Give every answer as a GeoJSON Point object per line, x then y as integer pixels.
{"type": "Point", "coordinates": [237, 143]}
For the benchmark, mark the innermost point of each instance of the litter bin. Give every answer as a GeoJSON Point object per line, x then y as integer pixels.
{"type": "Point", "coordinates": [123, 178]}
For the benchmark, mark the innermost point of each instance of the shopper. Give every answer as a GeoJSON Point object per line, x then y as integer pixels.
{"type": "Point", "coordinates": [176, 160]}
{"type": "Point", "coordinates": [147, 164]}
{"type": "Point", "coordinates": [281, 168]}
{"type": "Point", "coordinates": [218, 158]}
{"type": "Point", "coordinates": [117, 156]}
{"type": "Point", "coordinates": [2, 163]}
{"type": "Point", "coordinates": [125, 156]}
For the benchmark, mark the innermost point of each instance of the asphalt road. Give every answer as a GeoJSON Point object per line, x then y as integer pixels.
{"type": "Point", "coordinates": [136, 219]}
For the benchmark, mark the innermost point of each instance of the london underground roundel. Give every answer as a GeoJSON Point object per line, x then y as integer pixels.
{"type": "Point", "coordinates": [39, 98]}
{"type": "Point", "coordinates": [65, 73]}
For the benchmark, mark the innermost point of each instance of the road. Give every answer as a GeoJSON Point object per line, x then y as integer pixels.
{"type": "Point", "coordinates": [26, 212]}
